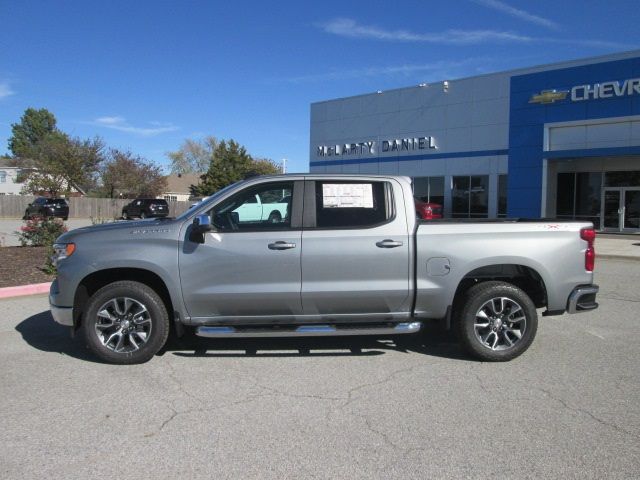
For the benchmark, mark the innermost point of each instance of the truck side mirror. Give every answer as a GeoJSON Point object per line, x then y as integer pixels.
{"type": "Point", "coordinates": [201, 225]}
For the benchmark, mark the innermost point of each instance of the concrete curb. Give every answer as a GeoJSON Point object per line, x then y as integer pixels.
{"type": "Point", "coordinates": [22, 290]}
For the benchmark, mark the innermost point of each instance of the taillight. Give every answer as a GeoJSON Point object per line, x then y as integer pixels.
{"type": "Point", "coordinates": [589, 235]}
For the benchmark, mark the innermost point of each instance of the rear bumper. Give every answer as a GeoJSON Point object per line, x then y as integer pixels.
{"type": "Point", "coordinates": [583, 299]}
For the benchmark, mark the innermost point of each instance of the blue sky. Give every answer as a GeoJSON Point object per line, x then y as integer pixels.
{"type": "Point", "coordinates": [145, 75]}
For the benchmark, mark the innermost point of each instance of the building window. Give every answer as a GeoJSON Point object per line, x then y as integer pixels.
{"type": "Point", "coordinates": [502, 196]}
{"type": "Point", "coordinates": [429, 189]}
{"type": "Point", "coordinates": [578, 196]}
{"type": "Point", "coordinates": [622, 179]}
{"type": "Point", "coordinates": [3, 176]}
{"type": "Point", "coordinates": [469, 196]}
{"type": "Point", "coordinates": [171, 198]}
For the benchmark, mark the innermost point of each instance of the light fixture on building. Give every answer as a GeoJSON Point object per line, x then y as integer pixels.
{"type": "Point", "coordinates": [445, 86]}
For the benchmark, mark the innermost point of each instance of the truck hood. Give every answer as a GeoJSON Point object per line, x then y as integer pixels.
{"type": "Point", "coordinates": [152, 225]}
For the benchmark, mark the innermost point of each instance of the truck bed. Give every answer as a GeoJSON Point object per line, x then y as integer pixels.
{"type": "Point", "coordinates": [447, 251]}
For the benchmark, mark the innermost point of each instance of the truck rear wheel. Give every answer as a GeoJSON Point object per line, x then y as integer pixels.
{"type": "Point", "coordinates": [125, 322]}
{"type": "Point", "coordinates": [496, 321]}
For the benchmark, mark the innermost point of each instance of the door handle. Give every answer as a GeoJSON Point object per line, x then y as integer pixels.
{"type": "Point", "coordinates": [281, 245]}
{"type": "Point", "coordinates": [388, 244]}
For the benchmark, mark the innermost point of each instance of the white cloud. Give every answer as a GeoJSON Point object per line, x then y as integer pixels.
{"type": "Point", "coordinates": [5, 90]}
{"type": "Point", "coordinates": [110, 120]}
{"type": "Point", "coordinates": [347, 27]}
{"type": "Point", "coordinates": [518, 13]}
{"type": "Point", "coordinates": [120, 124]}
{"type": "Point", "coordinates": [434, 71]}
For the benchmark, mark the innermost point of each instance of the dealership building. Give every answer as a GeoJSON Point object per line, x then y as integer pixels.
{"type": "Point", "coordinates": [554, 141]}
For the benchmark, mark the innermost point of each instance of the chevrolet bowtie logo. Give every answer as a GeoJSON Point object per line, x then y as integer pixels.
{"type": "Point", "coordinates": [548, 96]}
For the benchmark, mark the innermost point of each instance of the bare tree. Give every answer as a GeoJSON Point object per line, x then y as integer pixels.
{"type": "Point", "coordinates": [193, 156]}
{"type": "Point", "coordinates": [127, 175]}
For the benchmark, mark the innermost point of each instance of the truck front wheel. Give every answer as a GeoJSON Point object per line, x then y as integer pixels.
{"type": "Point", "coordinates": [125, 322]}
{"type": "Point", "coordinates": [496, 321]}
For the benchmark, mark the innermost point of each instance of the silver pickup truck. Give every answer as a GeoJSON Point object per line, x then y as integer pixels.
{"type": "Point", "coordinates": [348, 257]}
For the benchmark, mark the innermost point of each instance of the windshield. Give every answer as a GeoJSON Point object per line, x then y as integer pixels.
{"type": "Point", "coordinates": [216, 195]}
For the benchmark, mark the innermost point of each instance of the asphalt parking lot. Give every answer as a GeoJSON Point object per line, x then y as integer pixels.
{"type": "Point", "coordinates": [345, 408]}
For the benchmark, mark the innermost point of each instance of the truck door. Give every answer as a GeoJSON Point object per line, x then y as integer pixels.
{"type": "Point", "coordinates": [355, 256]}
{"type": "Point", "coordinates": [247, 267]}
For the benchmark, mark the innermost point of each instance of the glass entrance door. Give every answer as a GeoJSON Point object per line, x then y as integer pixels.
{"type": "Point", "coordinates": [631, 210]}
{"type": "Point", "coordinates": [621, 209]}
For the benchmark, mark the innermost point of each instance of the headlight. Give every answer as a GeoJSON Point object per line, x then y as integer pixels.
{"type": "Point", "coordinates": [62, 251]}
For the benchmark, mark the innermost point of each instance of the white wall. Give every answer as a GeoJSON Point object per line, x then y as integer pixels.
{"type": "Point", "coordinates": [10, 185]}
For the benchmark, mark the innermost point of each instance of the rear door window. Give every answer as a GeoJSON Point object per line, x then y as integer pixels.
{"type": "Point", "coordinates": [355, 204]}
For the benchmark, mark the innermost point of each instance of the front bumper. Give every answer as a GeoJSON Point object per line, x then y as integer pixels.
{"type": "Point", "coordinates": [62, 315]}
{"type": "Point", "coordinates": [583, 299]}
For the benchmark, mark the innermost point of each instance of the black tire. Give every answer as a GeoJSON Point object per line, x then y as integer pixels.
{"type": "Point", "coordinates": [65, 218]}
{"type": "Point", "coordinates": [26, 215]}
{"type": "Point", "coordinates": [510, 317]}
{"type": "Point", "coordinates": [145, 332]}
{"type": "Point", "coordinates": [275, 217]}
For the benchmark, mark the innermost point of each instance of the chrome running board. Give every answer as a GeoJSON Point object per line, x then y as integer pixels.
{"type": "Point", "coordinates": [307, 331]}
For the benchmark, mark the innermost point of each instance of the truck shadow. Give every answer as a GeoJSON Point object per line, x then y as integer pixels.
{"type": "Point", "coordinates": [42, 333]}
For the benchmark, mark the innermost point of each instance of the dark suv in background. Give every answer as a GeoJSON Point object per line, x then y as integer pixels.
{"type": "Point", "coordinates": [146, 207]}
{"type": "Point", "coordinates": [47, 207]}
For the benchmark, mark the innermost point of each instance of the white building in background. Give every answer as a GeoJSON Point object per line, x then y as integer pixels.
{"type": "Point", "coordinates": [9, 179]}
{"type": "Point", "coordinates": [559, 140]}
{"type": "Point", "coordinates": [179, 186]}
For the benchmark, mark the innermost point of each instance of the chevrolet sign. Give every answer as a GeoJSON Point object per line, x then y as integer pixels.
{"type": "Point", "coordinates": [548, 96]}
{"type": "Point", "coordinates": [594, 91]}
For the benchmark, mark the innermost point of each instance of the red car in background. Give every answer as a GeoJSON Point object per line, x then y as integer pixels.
{"type": "Point", "coordinates": [428, 211]}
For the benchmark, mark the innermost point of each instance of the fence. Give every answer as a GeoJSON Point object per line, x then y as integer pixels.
{"type": "Point", "coordinates": [14, 206]}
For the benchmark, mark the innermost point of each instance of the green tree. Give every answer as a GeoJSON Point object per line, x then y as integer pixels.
{"type": "Point", "coordinates": [193, 156]}
{"type": "Point", "coordinates": [263, 166]}
{"type": "Point", "coordinates": [125, 175]}
{"type": "Point", "coordinates": [33, 127]}
{"type": "Point", "coordinates": [230, 163]}
{"type": "Point", "coordinates": [62, 164]}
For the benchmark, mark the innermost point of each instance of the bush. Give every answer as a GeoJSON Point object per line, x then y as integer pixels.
{"type": "Point", "coordinates": [38, 232]}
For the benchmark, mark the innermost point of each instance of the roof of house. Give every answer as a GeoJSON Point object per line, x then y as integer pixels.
{"type": "Point", "coordinates": [22, 163]}
{"type": "Point", "coordinates": [5, 163]}
{"type": "Point", "coordinates": [180, 183]}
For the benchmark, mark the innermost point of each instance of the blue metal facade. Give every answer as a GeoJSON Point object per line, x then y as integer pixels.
{"type": "Point", "coordinates": [527, 121]}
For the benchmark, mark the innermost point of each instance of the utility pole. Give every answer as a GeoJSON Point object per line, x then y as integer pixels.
{"type": "Point", "coordinates": [284, 165]}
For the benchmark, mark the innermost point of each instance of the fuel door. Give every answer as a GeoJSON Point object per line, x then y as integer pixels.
{"type": "Point", "coordinates": [438, 267]}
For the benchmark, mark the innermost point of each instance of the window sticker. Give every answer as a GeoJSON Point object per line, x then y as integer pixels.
{"type": "Point", "coordinates": [347, 195]}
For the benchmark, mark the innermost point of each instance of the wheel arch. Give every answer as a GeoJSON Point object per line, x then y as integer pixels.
{"type": "Point", "coordinates": [522, 276]}
{"type": "Point", "coordinates": [96, 280]}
